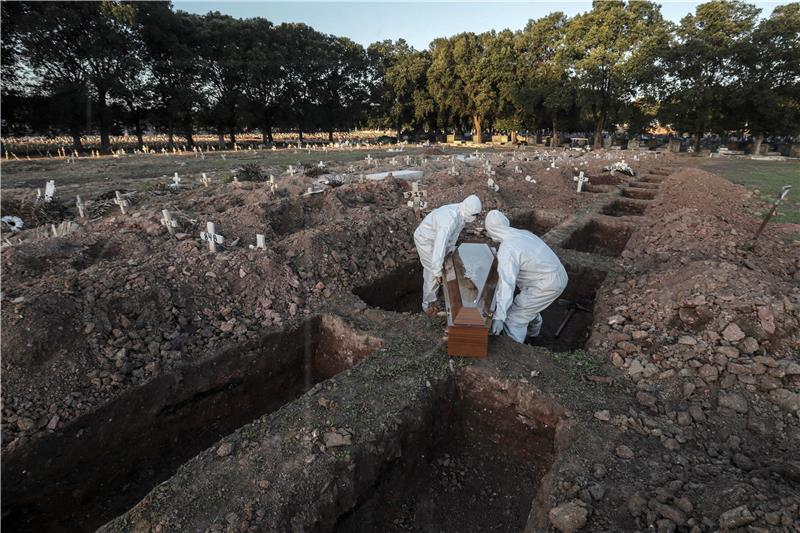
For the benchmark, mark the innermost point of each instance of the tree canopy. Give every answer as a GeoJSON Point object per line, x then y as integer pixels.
{"type": "Point", "coordinates": [75, 68]}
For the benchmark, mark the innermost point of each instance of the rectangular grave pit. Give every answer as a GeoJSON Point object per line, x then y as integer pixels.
{"type": "Point", "coordinates": [537, 221]}
{"type": "Point", "coordinates": [625, 207]}
{"type": "Point", "coordinates": [101, 464]}
{"type": "Point", "coordinates": [472, 463]}
{"type": "Point", "coordinates": [639, 194]}
{"type": "Point", "coordinates": [644, 185]}
{"type": "Point", "coordinates": [603, 236]}
{"type": "Point", "coordinates": [399, 291]}
{"type": "Point", "coordinates": [577, 301]}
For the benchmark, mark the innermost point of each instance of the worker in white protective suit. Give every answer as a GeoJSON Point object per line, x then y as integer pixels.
{"type": "Point", "coordinates": [526, 262]}
{"type": "Point", "coordinates": [435, 237]}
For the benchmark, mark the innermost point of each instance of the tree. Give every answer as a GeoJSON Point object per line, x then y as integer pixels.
{"type": "Point", "coordinates": [542, 90]}
{"type": "Point", "coordinates": [264, 55]}
{"type": "Point", "coordinates": [766, 94]}
{"type": "Point", "coordinates": [701, 64]}
{"type": "Point", "coordinates": [76, 43]}
{"type": "Point", "coordinates": [463, 79]}
{"type": "Point", "coordinates": [614, 47]}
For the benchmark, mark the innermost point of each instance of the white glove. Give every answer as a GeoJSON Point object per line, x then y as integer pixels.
{"type": "Point", "coordinates": [497, 327]}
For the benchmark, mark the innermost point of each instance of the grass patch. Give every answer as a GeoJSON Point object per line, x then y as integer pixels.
{"type": "Point", "coordinates": [766, 178]}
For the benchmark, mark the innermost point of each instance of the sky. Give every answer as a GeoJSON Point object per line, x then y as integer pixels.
{"type": "Point", "coordinates": [415, 21]}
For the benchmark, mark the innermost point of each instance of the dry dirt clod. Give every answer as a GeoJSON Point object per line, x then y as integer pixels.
{"type": "Point", "coordinates": [569, 517]}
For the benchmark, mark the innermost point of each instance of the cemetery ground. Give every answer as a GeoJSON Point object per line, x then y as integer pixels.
{"type": "Point", "coordinates": [152, 385]}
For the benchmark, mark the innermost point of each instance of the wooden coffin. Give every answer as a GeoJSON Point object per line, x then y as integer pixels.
{"type": "Point", "coordinates": [470, 279]}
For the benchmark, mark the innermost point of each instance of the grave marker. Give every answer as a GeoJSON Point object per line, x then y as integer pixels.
{"type": "Point", "coordinates": [206, 182]}
{"type": "Point", "coordinates": [261, 242]}
{"type": "Point", "coordinates": [416, 198]}
{"type": "Point", "coordinates": [49, 191]}
{"type": "Point", "coordinates": [176, 181]}
{"type": "Point", "coordinates": [81, 207]}
{"type": "Point", "coordinates": [581, 179]}
{"type": "Point", "coordinates": [210, 235]}
{"type": "Point", "coordinates": [120, 201]}
{"type": "Point", "coordinates": [490, 183]}
{"type": "Point", "coordinates": [168, 222]}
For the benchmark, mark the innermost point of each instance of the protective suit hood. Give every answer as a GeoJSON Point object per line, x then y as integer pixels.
{"type": "Point", "coordinates": [470, 207]}
{"type": "Point", "coordinates": [497, 226]}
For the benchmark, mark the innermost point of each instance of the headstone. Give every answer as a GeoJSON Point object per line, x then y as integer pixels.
{"type": "Point", "coordinates": [49, 191]}
{"type": "Point", "coordinates": [211, 236]}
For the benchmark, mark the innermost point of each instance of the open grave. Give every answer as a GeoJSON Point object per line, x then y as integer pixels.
{"type": "Point", "coordinates": [645, 185]}
{"type": "Point", "coordinates": [104, 462]}
{"type": "Point", "coordinates": [471, 463]}
{"type": "Point", "coordinates": [600, 236]}
{"type": "Point", "coordinates": [537, 221]}
{"type": "Point", "coordinates": [639, 194]}
{"type": "Point", "coordinates": [567, 322]}
{"type": "Point", "coordinates": [596, 188]}
{"type": "Point", "coordinates": [624, 207]}
{"type": "Point", "coordinates": [400, 290]}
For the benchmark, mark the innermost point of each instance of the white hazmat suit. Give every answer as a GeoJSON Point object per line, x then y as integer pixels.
{"type": "Point", "coordinates": [524, 261]}
{"type": "Point", "coordinates": [435, 236]}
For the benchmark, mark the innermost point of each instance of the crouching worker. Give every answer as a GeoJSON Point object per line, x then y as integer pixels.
{"type": "Point", "coordinates": [526, 262]}
{"type": "Point", "coordinates": [435, 237]}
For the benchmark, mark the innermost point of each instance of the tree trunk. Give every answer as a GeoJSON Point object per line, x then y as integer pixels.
{"type": "Point", "coordinates": [513, 136]}
{"type": "Point", "coordinates": [139, 131]}
{"type": "Point", "coordinates": [233, 136]}
{"type": "Point", "coordinates": [697, 137]}
{"type": "Point", "coordinates": [598, 131]}
{"type": "Point", "coordinates": [476, 124]}
{"type": "Point", "coordinates": [189, 136]}
{"type": "Point", "coordinates": [300, 133]}
{"type": "Point", "coordinates": [554, 138]}
{"type": "Point", "coordinates": [220, 140]}
{"type": "Point", "coordinates": [105, 141]}
{"type": "Point", "coordinates": [170, 136]}
{"type": "Point", "coordinates": [76, 139]}
{"type": "Point", "coordinates": [330, 136]}
{"type": "Point", "coordinates": [757, 143]}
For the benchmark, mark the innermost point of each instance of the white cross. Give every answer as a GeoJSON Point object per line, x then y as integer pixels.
{"type": "Point", "coordinates": [291, 170]}
{"type": "Point", "coordinates": [236, 182]}
{"type": "Point", "coordinates": [120, 201]}
{"type": "Point", "coordinates": [517, 170]}
{"type": "Point", "coordinates": [581, 179]}
{"type": "Point", "coordinates": [81, 207]}
{"type": "Point", "coordinates": [206, 182]}
{"type": "Point", "coordinates": [408, 160]}
{"type": "Point", "coordinates": [321, 165]}
{"type": "Point", "coordinates": [453, 171]}
{"type": "Point", "coordinates": [261, 242]}
{"type": "Point", "coordinates": [49, 191]}
{"type": "Point", "coordinates": [176, 181]}
{"type": "Point", "coordinates": [369, 159]}
{"type": "Point", "coordinates": [393, 161]}
{"type": "Point", "coordinates": [210, 235]}
{"type": "Point", "coordinates": [168, 222]}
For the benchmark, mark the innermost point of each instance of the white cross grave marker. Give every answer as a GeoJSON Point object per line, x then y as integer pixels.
{"type": "Point", "coordinates": [168, 222]}
{"type": "Point", "coordinates": [581, 179]}
{"type": "Point", "coordinates": [176, 181]}
{"type": "Point", "coordinates": [529, 179]}
{"type": "Point", "coordinates": [291, 171]}
{"type": "Point", "coordinates": [210, 235]}
{"type": "Point", "coordinates": [321, 165]}
{"type": "Point", "coordinates": [120, 201]}
{"type": "Point", "coordinates": [205, 181]}
{"type": "Point", "coordinates": [81, 207]}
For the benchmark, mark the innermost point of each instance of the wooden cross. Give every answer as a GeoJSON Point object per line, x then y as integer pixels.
{"type": "Point", "coordinates": [416, 199]}
{"type": "Point", "coordinates": [168, 222]}
{"type": "Point", "coordinates": [581, 179]}
{"type": "Point", "coordinates": [210, 235]}
{"type": "Point", "coordinates": [408, 160]}
{"type": "Point", "coordinates": [81, 207]}
{"type": "Point", "coordinates": [176, 181]}
{"type": "Point", "coordinates": [236, 182]}
{"type": "Point", "coordinates": [120, 201]}
{"type": "Point", "coordinates": [517, 170]}
{"type": "Point", "coordinates": [206, 182]}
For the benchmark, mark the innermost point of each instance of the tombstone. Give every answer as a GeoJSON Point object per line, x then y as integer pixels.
{"type": "Point", "coordinates": [416, 199]}
{"type": "Point", "coordinates": [81, 207]}
{"type": "Point", "coordinates": [168, 222]}
{"type": "Point", "coordinates": [470, 279]}
{"type": "Point", "coordinates": [120, 201]}
{"type": "Point", "coordinates": [581, 179]}
{"type": "Point", "coordinates": [211, 236]}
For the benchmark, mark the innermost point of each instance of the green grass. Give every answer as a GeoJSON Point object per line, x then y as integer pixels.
{"type": "Point", "coordinates": [766, 178]}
